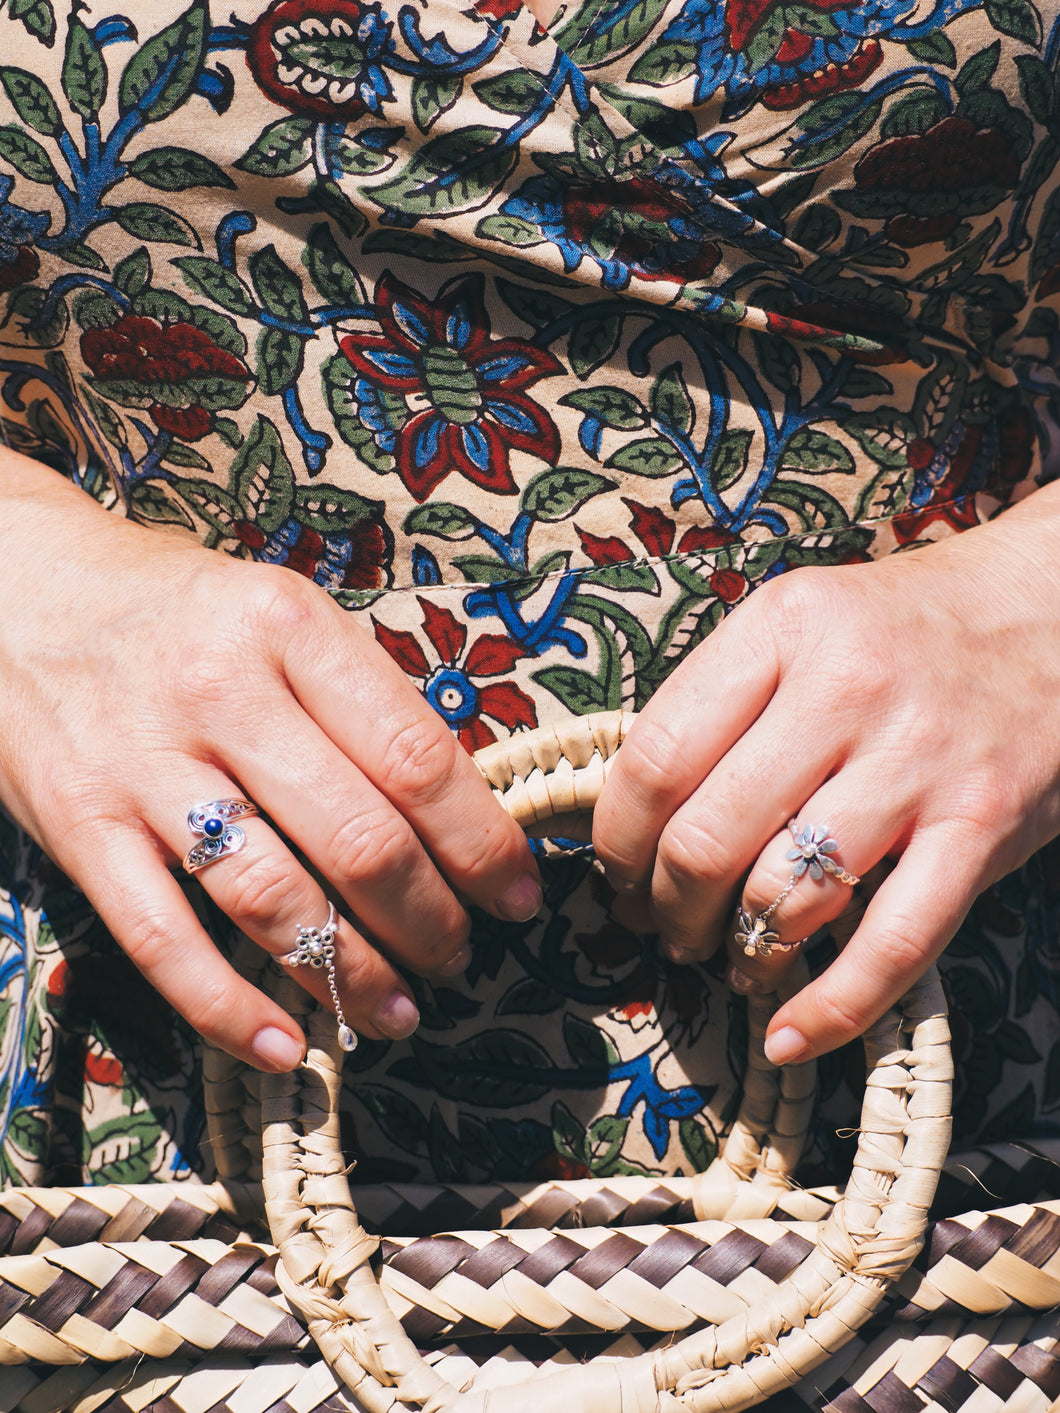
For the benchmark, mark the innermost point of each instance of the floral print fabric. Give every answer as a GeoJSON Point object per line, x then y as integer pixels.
{"type": "Point", "coordinates": [538, 351]}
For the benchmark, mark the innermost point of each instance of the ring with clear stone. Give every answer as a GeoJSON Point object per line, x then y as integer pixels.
{"type": "Point", "coordinates": [315, 947]}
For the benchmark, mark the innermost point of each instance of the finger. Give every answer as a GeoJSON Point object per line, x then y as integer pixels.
{"type": "Point", "coordinates": [354, 837]}
{"type": "Point", "coordinates": [149, 917]}
{"type": "Point", "coordinates": [686, 728]}
{"type": "Point", "coordinates": [270, 896]}
{"type": "Point", "coordinates": [801, 881]}
{"type": "Point", "coordinates": [373, 714]}
{"type": "Point", "coordinates": [913, 916]}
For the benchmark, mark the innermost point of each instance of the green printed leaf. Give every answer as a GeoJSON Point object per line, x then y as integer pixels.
{"type": "Point", "coordinates": [1017, 18]}
{"type": "Point", "coordinates": [133, 1136]}
{"type": "Point", "coordinates": [670, 402]}
{"type": "Point", "coordinates": [483, 569]}
{"type": "Point", "coordinates": [512, 230]}
{"type": "Point", "coordinates": [278, 288]}
{"type": "Point", "coordinates": [697, 1143]}
{"type": "Point", "coordinates": [613, 32]}
{"type": "Point", "coordinates": [330, 270]}
{"type": "Point", "coordinates": [730, 459]}
{"type": "Point", "coordinates": [397, 1116]}
{"type": "Point", "coordinates": [778, 360]}
{"type": "Point", "coordinates": [1015, 1044]}
{"type": "Point", "coordinates": [861, 383]}
{"type": "Point", "coordinates": [31, 101]}
{"type": "Point", "coordinates": [27, 1131]}
{"type": "Point", "coordinates": [589, 1047]}
{"type": "Point", "coordinates": [554, 494]}
{"type": "Point", "coordinates": [816, 453]}
{"type": "Point", "coordinates": [661, 123]}
{"type": "Point", "coordinates": [625, 578]}
{"type": "Point", "coordinates": [791, 194]}
{"type": "Point", "coordinates": [813, 507]}
{"type": "Point", "coordinates": [592, 342]}
{"type": "Point", "coordinates": [817, 227]}
{"type": "Point", "coordinates": [447, 522]}
{"type": "Point", "coordinates": [177, 169]}
{"type": "Point", "coordinates": [280, 149]}
{"type": "Point", "coordinates": [331, 510]}
{"type": "Point", "coordinates": [146, 221]}
{"type": "Point", "coordinates": [614, 407]}
{"type": "Point", "coordinates": [279, 355]}
{"type": "Point", "coordinates": [358, 160]}
{"type": "Point", "coordinates": [219, 508]}
{"type": "Point", "coordinates": [513, 91]}
{"type": "Point", "coordinates": [604, 1142]}
{"type": "Point", "coordinates": [151, 501]}
{"type": "Point", "coordinates": [262, 477]}
{"type": "Point", "coordinates": [134, 272]}
{"type": "Point", "coordinates": [83, 255]}
{"type": "Point", "coordinates": [434, 93]}
{"type": "Point", "coordinates": [578, 690]}
{"type": "Point", "coordinates": [532, 305]}
{"type": "Point", "coordinates": [979, 69]}
{"type": "Point", "coordinates": [218, 284]}
{"type": "Point", "coordinates": [529, 997]}
{"type": "Point", "coordinates": [934, 49]}
{"type": "Point", "coordinates": [647, 456]}
{"type": "Point", "coordinates": [767, 39]}
{"type": "Point", "coordinates": [845, 134]}
{"type": "Point", "coordinates": [1037, 86]}
{"type": "Point", "coordinates": [496, 1069]}
{"type": "Point", "coordinates": [105, 418]}
{"type": "Point", "coordinates": [37, 16]}
{"type": "Point", "coordinates": [438, 248]}
{"type": "Point", "coordinates": [162, 74]}
{"type": "Point", "coordinates": [27, 156]}
{"type": "Point", "coordinates": [27, 304]}
{"type": "Point", "coordinates": [665, 62]}
{"type": "Point", "coordinates": [163, 305]}
{"type": "Point", "coordinates": [178, 454]}
{"type": "Point", "coordinates": [457, 171]}
{"type": "Point", "coordinates": [568, 1134]}
{"type": "Point", "coordinates": [914, 114]}
{"type": "Point", "coordinates": [84, 77]}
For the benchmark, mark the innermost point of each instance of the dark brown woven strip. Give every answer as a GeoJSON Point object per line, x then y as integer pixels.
{"type": "Point", "coordinates": [996, 1372]}
{"type": "Point", "coordinates": [948, 1384]}
{"type": "Point", "coordinates": [1041, 1367]}
{"type": "Point", "coordinates": [131, 1222]}
{"type": "Point", "coordinates": [179, 1221]}
{"type": "Point", "coordinates": [730, 1256]}
{"type": "Point", "coordinates": [63, 1298]}
{"type": "Point", "coordinates": [612, 1255]}
{"type": "Point", "coordinates": [119, 1295]}
{"type": "Point", "coordinates": [660, 1262]}
{"type": "Point", "coordinates": [1037, 1239]}
{"type": "Point", "coordinates": [224, 1275]}
{"type": "Point", "coordinates": [487, 1265]}
{"type": "Point", "coordinates": [428, 1260]}
{"type": "Point", "coordinates": [81, 1222]}
{"type": "Point", "coordinates": [780, 1259]}
{"type": "Point", "coordinates": [979, 1245]}
{"type": "Point", "coordinates": [263, 1277]}
{"type": "Point", "coordinates": [11, 1300]}
{"type": "Point", "coordinates": [545, 1264]}
{"type": "Point", "coordinates": [29, 1232]}
{"type": "Point", "coordinates": [169, 1288]}
{"type": "Point", "coordinates": [892, 1396]}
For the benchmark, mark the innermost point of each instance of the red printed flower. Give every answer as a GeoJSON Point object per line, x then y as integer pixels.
{"type": "Point", "coordinates": [440, 352]}
{"type": "Point", "coordinates": [176, 371]}
{"type": "Point", "coordinates": [459, 701]}
{"type": "Point", "coordinates": [20, 269]}
{"type": "Point", "coordinates": [826, 320]}
{"type": "Point", "coordinates": [103, 1069]}
{"type": "Point", "coordinates": [657, 532]}
{"type": "Point", "coordinates": [356, 557]}
{"type": "Point", "coordinates": [323, 57]}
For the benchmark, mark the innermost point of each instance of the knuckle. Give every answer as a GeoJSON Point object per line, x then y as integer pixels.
{"type": "Point", "coordinates": [259, 894]}
{"type": "Point", "coordinates": [649, 757]}
{"type": "Point", "coordinates": [417, 763]}
{"type": "Point", "coordinates": [370, 849]}
{"type": "Point", "coordinates": [689, 850]}
{"type": "Point", "coordinates": [276, 607]}
{"type": "Point", "coordinates": [147, 941]}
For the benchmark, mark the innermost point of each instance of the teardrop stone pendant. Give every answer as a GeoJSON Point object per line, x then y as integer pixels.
{"type": "Point", "coordinates": [347, 1039]}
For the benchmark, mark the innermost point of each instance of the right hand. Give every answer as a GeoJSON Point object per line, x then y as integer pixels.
{"type": "Point", "coordinates": [141, 674]}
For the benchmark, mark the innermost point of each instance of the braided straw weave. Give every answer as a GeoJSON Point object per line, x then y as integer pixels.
{"type": "Point", "coordinates": [793, 1312]}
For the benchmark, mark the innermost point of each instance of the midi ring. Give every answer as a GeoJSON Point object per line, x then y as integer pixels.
{"type": "Point", "coordinates": [218, 837]}
{"type": "Point", "coordinates": [315, 947]}
{"type": "Point", "coordinates": [812, 854]}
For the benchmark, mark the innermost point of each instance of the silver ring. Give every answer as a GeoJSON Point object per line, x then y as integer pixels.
{"type": "Point", "coordinates": [812, 854]}
{"type": "Point", "coordinates": [217, 836]}
{"type": "Point", "coordinates": [315, 947]}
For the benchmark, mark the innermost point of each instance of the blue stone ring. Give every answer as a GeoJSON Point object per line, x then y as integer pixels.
{"type": "Point", "coordinates": [217, 835]}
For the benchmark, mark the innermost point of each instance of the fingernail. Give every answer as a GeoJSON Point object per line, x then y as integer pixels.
{"type": "Point", "coordinates": [522, 901]}
{"type": "Point", "coordinates": [740, 981]}
{"type": "Point", "coordinates": [453, 967]}
{"type": "Point", "coordinates": [786, 1045]}
{"type": "Point", "coordinates": [276, 1050]}
{"type": "Point", "coordinates": [397, 1016]}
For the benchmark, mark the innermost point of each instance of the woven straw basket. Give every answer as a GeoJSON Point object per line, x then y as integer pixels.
{"type": "Point", "coordinates": [701, 1293]}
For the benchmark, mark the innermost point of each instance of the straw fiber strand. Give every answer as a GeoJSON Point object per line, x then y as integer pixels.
{"type": "Point", "coordinates": [866, 1241]}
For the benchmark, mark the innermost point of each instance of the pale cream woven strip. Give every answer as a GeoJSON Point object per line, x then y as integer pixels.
{"type": "Point", "coordinates": [868, 1240]}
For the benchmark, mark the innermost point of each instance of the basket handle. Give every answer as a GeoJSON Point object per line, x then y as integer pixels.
{"type": "Point", "coordinates": [868, 1240]}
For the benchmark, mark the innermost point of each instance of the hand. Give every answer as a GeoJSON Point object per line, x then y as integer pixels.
{"type": "Point", "coordinates": [911, 706]}
{"type": "Point", "coordinates": [141, 674]}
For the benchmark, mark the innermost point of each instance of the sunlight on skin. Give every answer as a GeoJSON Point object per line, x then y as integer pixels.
{"type": "Point", "coordinates": [543, 11]}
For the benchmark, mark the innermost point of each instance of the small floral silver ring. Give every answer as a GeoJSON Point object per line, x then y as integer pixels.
{"type": "Point", "coordinates": [811, 854]}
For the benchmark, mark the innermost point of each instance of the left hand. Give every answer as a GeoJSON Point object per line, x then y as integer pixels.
{"type": "Point", "coordinates": [911, 706]}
